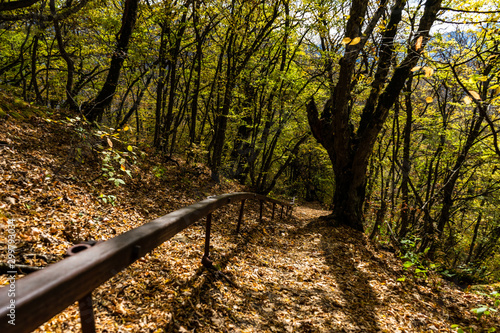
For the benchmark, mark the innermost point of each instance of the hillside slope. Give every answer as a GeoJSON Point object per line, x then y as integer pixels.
{"type": "Point", "coordinates": [287, 275]}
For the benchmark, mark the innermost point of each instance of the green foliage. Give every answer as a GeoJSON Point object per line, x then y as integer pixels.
{"type": "Point", "coordinates": [108, 199]}
{"type": "Point", "coordinates": [486, 309]}
{"type": "Point", "coordinates": [483, 310]}
{"type": "Point", "coordinates": [159, 171]}
{"type": "Point", "coordinates": [114, 163]}
{"type": "Point", "coordinates": [15, 107]}
{"type": "Point", "coordinates": [266, 70]}
{"type": "Point", "coordinates": [413, 258]}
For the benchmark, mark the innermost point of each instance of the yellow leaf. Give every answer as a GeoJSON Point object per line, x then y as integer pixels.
{"type": "Point", "coordinates": [109, 142]}
{"type": "Point", "coordinates": [418, 44]}
{"type": "Point", "coordinates": [416, 68]}
{"type": "Point", "coordinates": [126, 128]}
{"type": "Point", "coordinates": [475, 95]}
{"type": "Point", "coordinates": [129, 148]}
{"type": "Point", "coordinates": [429, 99]}
{"type": "Point", "coordinates": [346, 40]}
{"type": "Point", "coordinates": [119, 308]}
{"type": "Point", "coordinates": [467, 100]}
{"type": "Point", "coordinates": [428, 71]}
{"type": "Point", "coordinates": [355, 41]}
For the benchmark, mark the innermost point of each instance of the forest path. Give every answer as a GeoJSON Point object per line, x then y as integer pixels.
{"type": "Point", "coordinates": [300, 274]}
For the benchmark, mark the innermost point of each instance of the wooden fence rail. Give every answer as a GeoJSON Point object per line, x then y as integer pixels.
{"type": "Point", "coordinates": [43, 294]}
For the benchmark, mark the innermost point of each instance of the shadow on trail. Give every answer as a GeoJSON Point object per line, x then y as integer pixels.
{"type": "Point", "coordinates": [276, 305]}
{"type": "Point", "coordinates": [286, 297]}
{"type": "Point", "coordinates": [342, 248]}
{"type": "Point", "coordinates": [216, 317]}
{"type": "Point", "coordinates": [335, 296]}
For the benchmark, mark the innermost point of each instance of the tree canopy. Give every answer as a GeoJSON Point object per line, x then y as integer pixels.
{"type": "Point", "coordinates": [386, 111]}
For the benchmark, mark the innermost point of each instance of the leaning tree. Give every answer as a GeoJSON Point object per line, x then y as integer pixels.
{"type": "Point", "coordinates": [348, 127]}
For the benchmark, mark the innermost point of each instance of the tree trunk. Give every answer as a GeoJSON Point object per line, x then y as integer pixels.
{"type": "Point", "coordinates": [236, 62]}
{"type": "Point", "coordinates": [34, 56]}
{"type": "Point", "coordinates": [160, 86]}
{"type": "Point", "coordinates": [69, 62]}
{"type": "Point", "coordinates": [135, 106]}
{"type": "Point", "coordinates": [94, 109]}
{"type": "Point", "coordinates": [406, 167]}
{"type": "Point", "coordinates": [172, 66]}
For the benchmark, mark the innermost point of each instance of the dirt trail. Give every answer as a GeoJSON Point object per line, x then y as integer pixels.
{"type": "Point", "coordinates": [302, 275]}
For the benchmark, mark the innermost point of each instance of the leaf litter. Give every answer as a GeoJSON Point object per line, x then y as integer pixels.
{"type": "Point", "coordinates": [295, 274]}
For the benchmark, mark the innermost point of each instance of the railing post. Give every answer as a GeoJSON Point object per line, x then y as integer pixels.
{"type": "Point", "coordinates": [207, 235]}
{"type": "Point", "coordinates": [85, 304]}
{"type": "Point", "coordinates": [205, 260]}
{"type": "Point", "coordinates": [240, 218]}
{"type": "Point", "coordinates": [290, 208]}
{"type": "Point", "coordinates": [274, 206]}
{"type": "Point", "coordinates": [260, 212]}
{"type": "Point", "coordinates": [87, 314]}
{"type": "Point", "coordinates": [281, 213]}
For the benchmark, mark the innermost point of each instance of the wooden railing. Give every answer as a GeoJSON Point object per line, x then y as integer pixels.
{"type": "Point", "coordinates": [43, 294]}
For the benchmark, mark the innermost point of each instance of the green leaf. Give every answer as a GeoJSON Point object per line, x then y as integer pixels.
{"type": "Point", "coordinates": [408, 264]}
{"type": "Point", "coordinates": [483, 310]}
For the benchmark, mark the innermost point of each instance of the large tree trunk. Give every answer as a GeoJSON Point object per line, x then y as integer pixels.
{"type": "Point", "coordinates": [349, 196]}
{"type": "Point", "coordinates": [350, 150]}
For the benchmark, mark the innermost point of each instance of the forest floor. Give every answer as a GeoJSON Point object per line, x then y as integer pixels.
{"type": "Point", "coordinates": [290, 274]}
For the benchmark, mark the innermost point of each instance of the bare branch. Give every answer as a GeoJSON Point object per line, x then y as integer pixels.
{"type": "Point", "coordinates": [469, 11]}
{"type": "Point", "coordinates": [63, 14]}
{"type": "Point", "coordinates": [4, 6]}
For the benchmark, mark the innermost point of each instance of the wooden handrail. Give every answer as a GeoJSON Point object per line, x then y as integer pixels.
{"type": "Point", "coordinates": [43, 294]}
